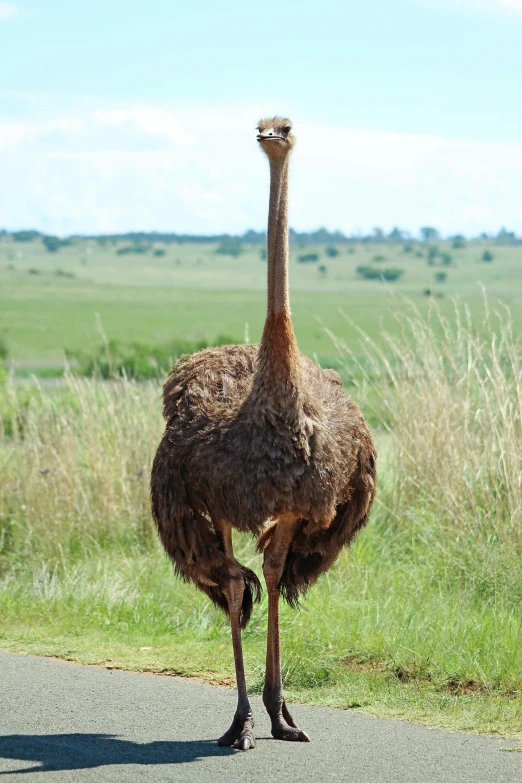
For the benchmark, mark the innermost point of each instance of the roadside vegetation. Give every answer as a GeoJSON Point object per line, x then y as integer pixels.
{"type": "Point", "coordinates": [420, 619]}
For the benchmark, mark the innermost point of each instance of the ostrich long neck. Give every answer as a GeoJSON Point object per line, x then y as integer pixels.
{"type": "Point", "coordinates": [278, 376]}
{"type": "Point", "coordinates": [278, 301]}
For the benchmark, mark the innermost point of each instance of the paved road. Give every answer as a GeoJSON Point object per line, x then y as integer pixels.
{"type": "Point", "coordinates": [64, 722]}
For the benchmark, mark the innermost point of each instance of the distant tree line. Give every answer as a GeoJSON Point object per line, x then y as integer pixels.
{"type": "Point", "coordinates": [427, 235]}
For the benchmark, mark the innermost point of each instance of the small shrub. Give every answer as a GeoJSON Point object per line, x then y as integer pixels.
{"type": "Point", "coordinates": [308, 258]}
{"type": "Point", "coordinates": [440, 277]}
{"type": "Point", "coordinates": [368, 272]}
{"type": "Point", "coordinates": [446, 259]}
{"type": "Point", "coordinates": [138, 248]}
{"type": "Point", "coordinates": [230, 246]}
{"type": "Point", "coordinates": [378, 259]}
{"type": "Point", "coordinates": [429, 233]}
{"type": "Point", "coordinates": [24, 236]}
{"type": "Point", "coordinates": [33, 271]}
{"type": "Point", "coordinates": [418, 254]}
{"type": "Point", "coordinates": [487, 256]}
{"type": "Point", "coordinates": [392, 273]}
{"type": "Point", "coordinates": [331, 251]}
{"type": "Point", "coordinates": [52, 244]}
{"type": "Point", "coordinates": [407, 248]}
{"type": "Point", "coordinates": [11, 267]}
{"type": "Point", "coordinates": [371, 273]}
{"type": "Point", "coordinates": [62, 273]}
{"type": "Point", "coordinates": [263, 254]}
{"type": "Point", "coordinates": [351, 251]}
{"type": "Point", "coordinates": [458, 243]}
{"type": "Point", "coordinates": [159, 251]}
{"type": "Point", "coordinates": [322, 269]}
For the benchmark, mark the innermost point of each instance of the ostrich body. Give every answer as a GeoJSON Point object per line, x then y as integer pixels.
{"type": "Point", "coordinates": [262, 440]}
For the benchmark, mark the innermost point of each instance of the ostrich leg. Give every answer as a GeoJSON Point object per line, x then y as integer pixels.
{"type": "Point", "coordinates": [283, 726]}
{"type": "Point", "coordinates": [241, 733]}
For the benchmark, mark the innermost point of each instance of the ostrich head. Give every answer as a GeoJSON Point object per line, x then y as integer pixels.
{"type": "Point", "coordinates": [275, 137]}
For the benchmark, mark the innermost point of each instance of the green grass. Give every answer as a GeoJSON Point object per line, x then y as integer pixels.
{"type": "Point", "coordinates": [406, 642]}
{"type": "Point", "coordinates": [420, 619]}
{"type": "Point", "coordinates": [192, 292]}
{"type": "Point", "coordinates": [42, 319]}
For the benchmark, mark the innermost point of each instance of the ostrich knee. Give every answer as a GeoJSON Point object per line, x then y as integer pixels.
{"type": "Point", "coordinates": [272, 572]}
{"type": "Point", "coordinates": [234, 592]}
{"type": "Point", "coordinates": [276, 552]}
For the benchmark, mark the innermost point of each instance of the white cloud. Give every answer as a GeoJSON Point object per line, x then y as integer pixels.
{"type": "Point", "coordinates": [8, 10]}
{"type": "Point", "coordinates": [479, 6]}
{"type": "Point", "coordinates": [14, 132]}
{"type": "Point", "coordinates": [493, 5]}
{"type": "Point", "coordinates": [70, 124]}
{"type": "Point", "coordinates": [410, 180]}
{"type": "Point", "coordinates": [200, 171]}
{"type": "Point", "coordinates": [150, 120]}
{"type": "Point", "coordinates": [516, 5]}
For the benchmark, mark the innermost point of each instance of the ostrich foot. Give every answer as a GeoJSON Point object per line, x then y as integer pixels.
{"type": "Point", "coordinates": [282, 731]}
{"type": "Point", "coordinates": [240, 735]}
{"type": "Point", "coordinates": [284, 728]}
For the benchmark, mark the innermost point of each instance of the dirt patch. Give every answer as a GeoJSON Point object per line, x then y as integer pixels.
{"type": "Point", "coordinates": [416, 674]}
{"type": "Point", "coordinates": [469, 687]}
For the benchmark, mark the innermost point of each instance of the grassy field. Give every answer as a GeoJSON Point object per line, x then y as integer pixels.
{"type": "Point", "coordinates": [420, 619]}
{"type": "Point", "coordinates": [55, 301]}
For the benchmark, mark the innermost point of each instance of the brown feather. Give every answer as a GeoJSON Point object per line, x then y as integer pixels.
{"type": "Point", "coordinates": [248, 441]}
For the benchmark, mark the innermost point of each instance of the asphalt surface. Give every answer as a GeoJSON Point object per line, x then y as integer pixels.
{"type": "Point", "coordinates": [65, 722]}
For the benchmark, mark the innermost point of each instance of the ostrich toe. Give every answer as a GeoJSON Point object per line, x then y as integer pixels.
{"type": "Point", "coordinates": [282, 731]}
{"type": "Point", "coordinates": [240, 735]}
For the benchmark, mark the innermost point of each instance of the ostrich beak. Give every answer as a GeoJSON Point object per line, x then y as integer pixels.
{"type": "Point", "coordinates": [271, 135]}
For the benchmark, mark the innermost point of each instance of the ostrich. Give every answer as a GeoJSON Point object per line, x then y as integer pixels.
{"type": "Point", "coordinates": [260, 439]}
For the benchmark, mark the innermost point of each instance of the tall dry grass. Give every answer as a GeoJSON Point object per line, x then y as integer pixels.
{"type": "Point", "coordinates": [75, 463]}
{"type": "Point", "coordinates": [449, 394]}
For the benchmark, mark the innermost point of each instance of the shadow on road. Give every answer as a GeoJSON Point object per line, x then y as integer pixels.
{"type": "Point", "coordinates": [84, 751]}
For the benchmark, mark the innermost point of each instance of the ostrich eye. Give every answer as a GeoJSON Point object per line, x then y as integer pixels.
{"type": "Point", "coordinates": [287, 129]}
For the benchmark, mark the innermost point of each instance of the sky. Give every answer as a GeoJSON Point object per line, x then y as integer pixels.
{"type": "Point", "coordinates": [141, 116]}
